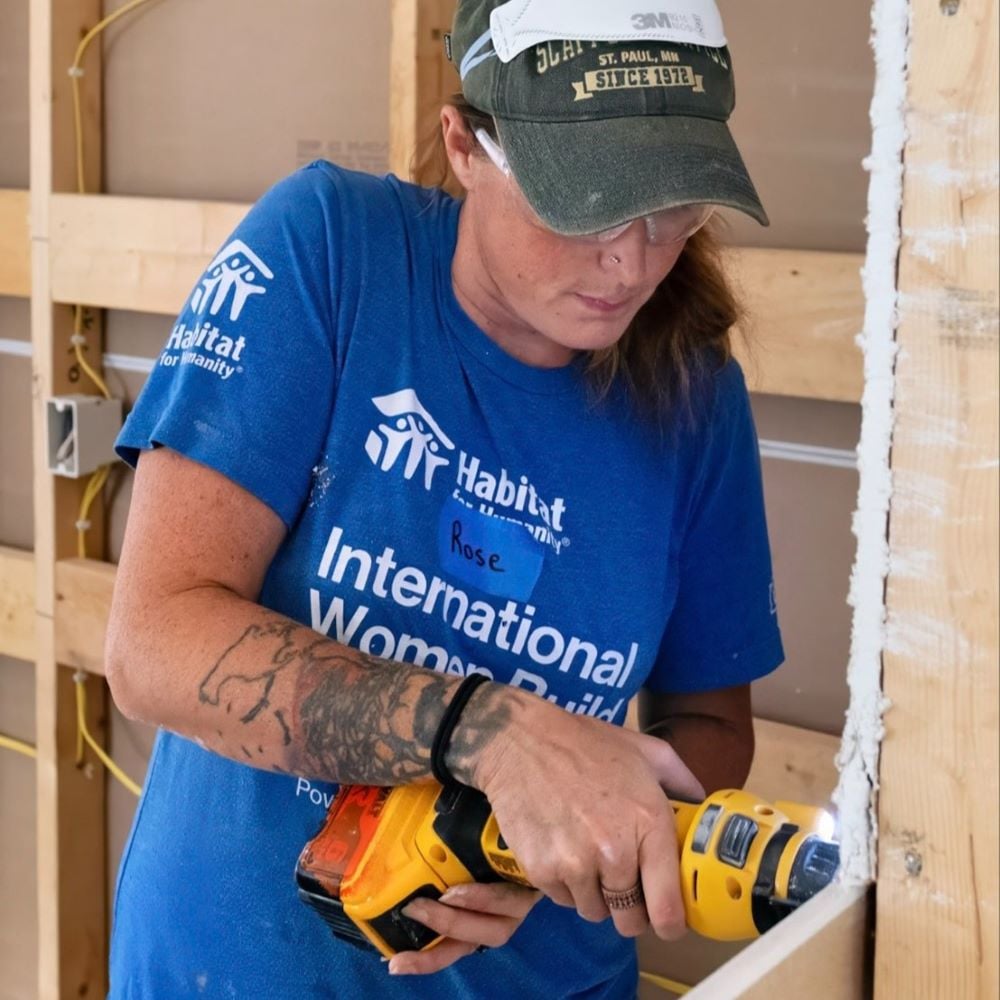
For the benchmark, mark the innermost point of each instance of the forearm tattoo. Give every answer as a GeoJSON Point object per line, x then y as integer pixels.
{"type": "Point", "coordinates": [340, 714]}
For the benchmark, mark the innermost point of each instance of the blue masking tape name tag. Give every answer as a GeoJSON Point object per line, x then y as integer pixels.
{"type": "Point", "coordinates": [500, 557]}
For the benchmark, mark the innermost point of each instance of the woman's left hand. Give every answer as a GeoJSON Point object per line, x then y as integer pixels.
{"type": "Point", "coordinates": [469, 916]}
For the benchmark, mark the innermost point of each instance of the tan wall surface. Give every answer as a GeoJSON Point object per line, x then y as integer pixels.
{"type": "Point", "coordinates": [804, 77]}
{"type": "Point", "coordinates": [14, 94]}
{"type": "Point", "coordinates": [809, 509]}
{"type": "Point", "coordinates": [16, 520]}
{"type": "Point", "coordinates": [218, 99]}
{"type": "Point", "coordinates": [18, 935]}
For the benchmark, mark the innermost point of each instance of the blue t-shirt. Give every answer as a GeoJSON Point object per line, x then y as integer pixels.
{"type": "Point", "coordinates": [446, 505]}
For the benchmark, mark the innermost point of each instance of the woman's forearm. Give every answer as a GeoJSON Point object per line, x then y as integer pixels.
{"type": "Point", "coordinates": [262, 689]}
{"type": "Point", "coordinates": [718, 755]}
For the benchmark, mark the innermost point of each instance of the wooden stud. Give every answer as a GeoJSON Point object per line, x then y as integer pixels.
{"type": "Point", "coordinates": [72, 936]}
{"type": "Point", "coordinates": [141, 254]}
{"type": "Point", "coordinates": [15, 257]}
{"type": "Point", "coordinates": [420, 76]}
{"type": "Point", "coordinates": [17, 604]}
{"type": "Point", "coordinates": [83, 599]}
{"type": "Point", "coordinates": [938, 825]}
{"type": "Point", "coordinates": [806, 308]}
{"type": "Point", "coordinates": [403, 85]}
{"type": "Point", "coordinates": [793, 764]}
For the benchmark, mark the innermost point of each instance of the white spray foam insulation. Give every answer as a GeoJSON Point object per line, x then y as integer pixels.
{"type": "Point", "coordinates": [863, 729]}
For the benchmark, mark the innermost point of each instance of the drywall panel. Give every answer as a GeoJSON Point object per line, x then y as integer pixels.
{"type": "Point", "coordinates": [18, 913]}
{"type": "Point", "coordinates": [804, 78]}
{"type": "Point", "coordinates": [219, 99]}
{"type": "Point", "coordinates": [809, 509]}
{"type": "Point", "coordinates": [197, 103]}
{"type": "Point", "coordinates": [14, 94]}
{"type": "Point", "coordinates": [16, 516]}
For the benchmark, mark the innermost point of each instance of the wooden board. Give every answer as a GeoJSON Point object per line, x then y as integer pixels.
{"type": "Point", "coordinates": [143, 254]}
{"type": "Point", "coordinates": [83, 597]}
{"type": "Point", "coordinates": [820, 951]}
{"type": "Point", "coordinates": [806, 309]}
{"type": "Point", "coordinates": [17, 603]}
{"type": "Point", "coordinates": [15, 259]}
{"type": "Point", "coordinates": [938, 845]}
{"type": "Point", "coordinates": [793, 764]}
{"type": "Point", "coordinates": [72, 913]}
{"type": "Point", "coordinates": [420, 76]}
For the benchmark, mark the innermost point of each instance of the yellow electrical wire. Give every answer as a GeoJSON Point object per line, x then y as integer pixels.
{"type": "Point", "coordinates": [664, 983]}
{"type": "Point", "coordinates": [18, 746]}
{"type": "Point", "coordinates": [83, 735]}
{"type": "Point", "coordinates": [90, 493]}
{"type": "Point", "coordinates": [76, 71]}
{"type": "Point", "coordinates": [79, 339]}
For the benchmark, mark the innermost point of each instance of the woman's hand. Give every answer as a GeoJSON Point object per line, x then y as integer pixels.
{"type": "Point", "coordinates": [469, 916]}
{"type": "Point", "coordinates": [582, 805]}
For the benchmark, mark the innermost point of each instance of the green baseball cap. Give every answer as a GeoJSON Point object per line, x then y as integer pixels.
{"type": "Point", "coordinates": [606, 110]}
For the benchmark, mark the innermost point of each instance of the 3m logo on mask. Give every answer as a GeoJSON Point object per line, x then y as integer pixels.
{"type": "Point", "coordinates": [412, 430]}
{"type": "Point", "coordinates": [230, 277]}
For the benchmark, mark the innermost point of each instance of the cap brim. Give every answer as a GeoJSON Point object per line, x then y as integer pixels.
{"type": "Point", "coordinates": [585, 176]}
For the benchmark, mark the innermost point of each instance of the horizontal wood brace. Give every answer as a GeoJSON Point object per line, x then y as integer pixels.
{"type": "Point", "coordinates": [145, 255]}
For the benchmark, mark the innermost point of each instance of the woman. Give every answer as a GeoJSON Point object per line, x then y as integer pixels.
{"type": "Point", "coordinates": [397, 440]}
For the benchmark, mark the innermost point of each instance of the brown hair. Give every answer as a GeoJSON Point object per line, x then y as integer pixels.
{"type": "Point", "coordinates": [681, 334]}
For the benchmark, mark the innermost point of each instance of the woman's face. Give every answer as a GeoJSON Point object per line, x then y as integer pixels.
{"type": "Point", "coordinates": [541, 296]}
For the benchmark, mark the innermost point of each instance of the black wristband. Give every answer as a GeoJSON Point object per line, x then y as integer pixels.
{"type": "Point", "coordinates": [442, 738]}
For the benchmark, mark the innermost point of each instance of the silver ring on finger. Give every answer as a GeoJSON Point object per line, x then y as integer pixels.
{"type": "Point", "coordinates": [623, 899]}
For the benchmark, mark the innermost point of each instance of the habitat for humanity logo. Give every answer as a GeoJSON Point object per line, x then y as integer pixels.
{"type": "Point", "coordinates": [232, 271]}
{"type": "Point", "coordinates": [498, 494]}
{"type": "Point", "coordinates": [229, 280]}
{"type": "Point", "coordinates": [412, 429]}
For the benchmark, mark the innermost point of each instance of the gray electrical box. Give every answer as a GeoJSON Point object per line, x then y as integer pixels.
{"type": "Point", "coordinates": [82, 432]}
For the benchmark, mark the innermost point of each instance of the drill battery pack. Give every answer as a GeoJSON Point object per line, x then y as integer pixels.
{"type": "Point", "coordinates": [382, 847]}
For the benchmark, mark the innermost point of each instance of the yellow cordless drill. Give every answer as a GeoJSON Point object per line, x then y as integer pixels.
{"type": "Point", "coordinates": [744, 863]}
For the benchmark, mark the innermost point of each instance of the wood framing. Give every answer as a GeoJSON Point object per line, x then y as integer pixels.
{"type": "Point", "coordinates": [806, 309]}
{"type": "Point", "coordinates": [15, 259]}
{"type": "Point", "coordinates": [142, 254]}
{"type": "Point", "coordinates": [17, 603]}
{"type": "Point", "coordinates": [72, 932]}
{"type": "Point", "coordinates": [938, 843]}
{"type": "Point", "coordinates": [83, 598]}
{"type": "Point", "coordinates": [419, 75]}
{"type": "Point", "coordinates": [145, 254]}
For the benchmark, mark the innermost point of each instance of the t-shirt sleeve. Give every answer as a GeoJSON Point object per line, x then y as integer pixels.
{"type": "Point", "coordinates": [245, 382]}
{"type": "Point", "coordinates": [723, 629]}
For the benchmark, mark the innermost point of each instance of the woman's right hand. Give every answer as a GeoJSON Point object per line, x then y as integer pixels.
{"type": "Point", "coordinates": [581, 803]}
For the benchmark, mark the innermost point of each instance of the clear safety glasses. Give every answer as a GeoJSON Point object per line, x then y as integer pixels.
{"type": "Point", "coordinates": [671, 225]}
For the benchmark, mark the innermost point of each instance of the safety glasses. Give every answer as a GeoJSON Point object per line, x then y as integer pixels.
{"type": "Point", "coordinates": [671, 225]}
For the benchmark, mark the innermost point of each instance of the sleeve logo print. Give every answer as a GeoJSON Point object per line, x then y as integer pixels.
{"type": "Point", "coordinates": [234, 270]}
{"type": "Point", "coordinates": [412, 428]}
{"type": "Point", "coordinates": [229, 280]}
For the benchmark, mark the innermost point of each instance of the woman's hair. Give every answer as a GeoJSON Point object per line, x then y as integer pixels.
{"type": "Point", "coordinates": [679, 337]}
